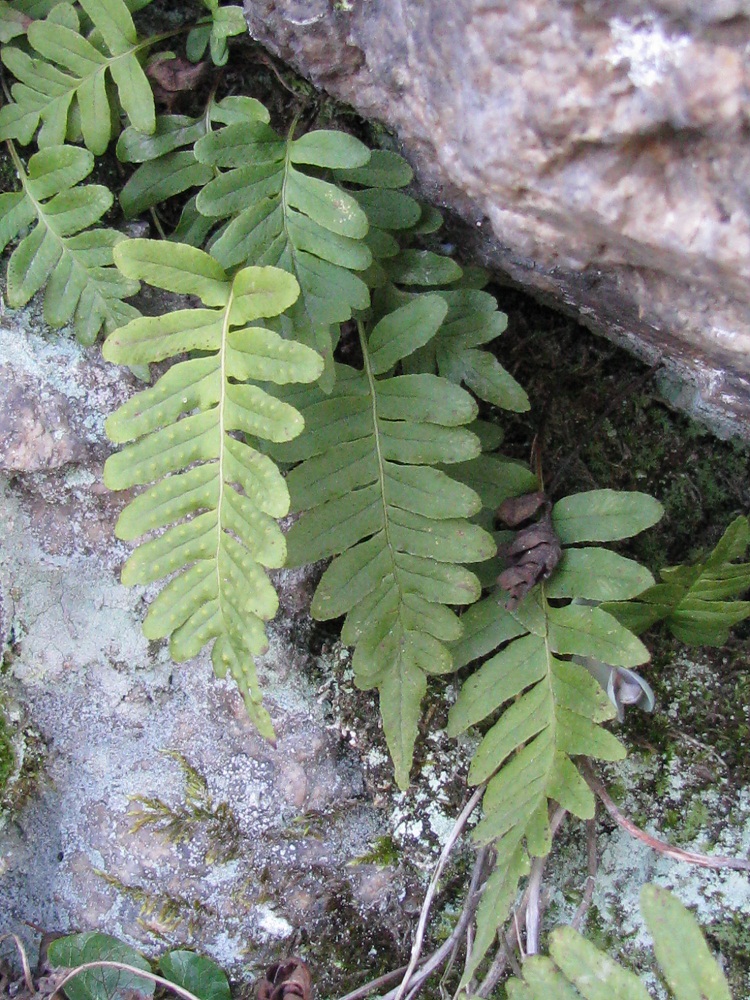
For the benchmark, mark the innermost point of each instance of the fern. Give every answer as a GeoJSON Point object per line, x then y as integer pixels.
{"type": "Point", "coordinates": [76, 265]}
{"type": "Point", "coordinates": [397, 527]}
{"type": "Point", "coordinates": [280, 214]}
{"type": "Point", "coordinates": [169, 166]}
{"type": "Point", "coordinates": [577, 969]}
{"type": "Point", "coordinates": [697, 602]}
{"type": "Point", "coordinates": [552, 704]}
{"type": "Point", "coordinates": [212, 32]}
{"type": "Point", "coordinates": [187, 421]}
{"type": "Point", "coordinates": [67, 87]}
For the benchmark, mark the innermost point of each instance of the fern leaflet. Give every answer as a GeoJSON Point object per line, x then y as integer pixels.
{"type": "Point", "coordinates": [284, 216]}
{"type": "Point", "coordinates": [68, 86]}
{"type": "Point", "coordinates": [577, 970]}
{"type": "Point", "coordinates": [553, 705]}
{"type": "Point", "coordinates": [184, 433]}
{"type": "Point", "coordinates": [697, 602]}
{"type": "Point", "coordinates": [397, 527]}
{"type": "Point", "coordinates": [472, 320]}
{"type": "Point", "coordinates": [77, 267]}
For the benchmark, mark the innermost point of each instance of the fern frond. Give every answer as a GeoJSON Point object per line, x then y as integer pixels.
{"type": "Point", "coordinates": [397, 527]}
{"type": "Point", "coordinates": [168, 163]}
{"type": "Point", "coordinates": [212, 32]}
{"type": "Point", "coordinates": [70, 79]}
{"type": "Point", "coordinates": [577, 969]}
{"type": "Point", "coordinates": [473, 320]}
{"type": "Point", "coordinates": [551, 706]}
{"type": "Point", "coordinates": [82, 284]}
{"type": "Point", "coordinates": [697, 602]}
{"type": "Point", "coordinates": [183, 429]}
{"type": "Point", "coordinates": [282, 215]}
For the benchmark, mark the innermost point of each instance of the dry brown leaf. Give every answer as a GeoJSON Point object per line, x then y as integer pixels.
{"type": "Point", "coordinates": [286, 980]}
{"type": "Point", "coordinates": [535, 550]}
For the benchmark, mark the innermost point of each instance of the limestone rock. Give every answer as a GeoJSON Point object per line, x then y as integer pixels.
{"type": "Point", "coordinates": [597, 151]}
{"type": "Point", "coordinates": [92, 706]}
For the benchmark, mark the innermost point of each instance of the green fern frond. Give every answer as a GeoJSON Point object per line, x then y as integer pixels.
{"type": "Point", "coordinates": [168, 163]}
{"type": "Point", "coordinates": [76, 266]}
{"type": "Point", "coordinates": [551, 706]}
{"type": "Point", "coordinates": [69, 82]}
{"type": "Point", "coordinates": [13, 22]}
{"type": "Point", "coordinates": [697, 602]}
{"type": "Point", "coordinates": [183, 429]}
{"type": "Point", "coordinates": [280, 214]}
{"type": "Point", "coordinates": [212, 32]}
{"type": "Point", "coordinates": [397, 527]}
{"type": "Point", "coordinates": [577, 969]}
{"type": "Point", "coordinates": [473, 320]}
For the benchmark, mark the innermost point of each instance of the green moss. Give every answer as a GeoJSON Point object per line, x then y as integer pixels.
{"type": "Point", "coordinates": [7, 755]}
{"type": "Point", "coordinates": [22, 760]}
{"type": "Point", "coordinates": [732, 939]}
{"type": "Point", "coordinates": [384, 852]}
{"type": "Point", "coordinates": [162, 913]}
{"type": "Point", "coordinates": [197, 813]}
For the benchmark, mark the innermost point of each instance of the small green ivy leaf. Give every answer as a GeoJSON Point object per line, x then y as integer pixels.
{"type": "Point", "coordinates": [103, 983]}
{"type": "Point", "coordinates": [202, 977]}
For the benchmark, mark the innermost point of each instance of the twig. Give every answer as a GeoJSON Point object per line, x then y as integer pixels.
{"type": "Point", "coordinates": [505, 951]}
{"type": "Point", "coordinates": [362, 991]}
{"type": "Point", "coordinates": [435, 960]}
{"type": "Point", "coordinates": [593, 867]}
{"type": "Point", "coordinates": [458, 829]}
{"type": "Point", "coordinates": [24, 961]}
{"type": "Point", "coordinates": [691, 858]}
{"type": "Point", "coordinates": [533, 908]}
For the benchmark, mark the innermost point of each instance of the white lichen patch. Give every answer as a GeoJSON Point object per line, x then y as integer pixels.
{"type": "Point", "coordinates": [271, 924]}
{"type": "Point", "coordinates": [645, 47]}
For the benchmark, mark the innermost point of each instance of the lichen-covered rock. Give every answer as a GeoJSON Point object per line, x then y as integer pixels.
{"type": "Point", "coordinates": [597, 151]}
{"type": "Point", "coordinates": [240, 848]}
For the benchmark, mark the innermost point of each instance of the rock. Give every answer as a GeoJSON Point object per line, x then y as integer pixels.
{"type": "Point", "coordinates": [597, 153]}
{"type": "Point", "coordinates": [263, 836]}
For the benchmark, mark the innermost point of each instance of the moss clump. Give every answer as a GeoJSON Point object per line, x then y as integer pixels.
{"type": "Point", "coordinates": [22, 758]}
{"type": "Point", "coordinates": [7, 755]}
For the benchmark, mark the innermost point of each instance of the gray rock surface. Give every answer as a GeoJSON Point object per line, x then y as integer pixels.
{"type": "Point", "coordinates": [598, 152]}
{"type": "Point", "coordinates": [269, 831]}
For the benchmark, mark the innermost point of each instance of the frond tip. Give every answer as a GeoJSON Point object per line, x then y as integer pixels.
{"type": "Point", "coordinates": [216, 494]}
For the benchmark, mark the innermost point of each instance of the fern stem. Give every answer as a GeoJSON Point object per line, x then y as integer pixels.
{"type": "Point", "coordinates": [27, 977]}
{"type": "Point", "coordinates": [458, 828]}
{"type": "Point", "coordinates": [676, 853]}
{"type": "Point", "coordinates": [379, 451]}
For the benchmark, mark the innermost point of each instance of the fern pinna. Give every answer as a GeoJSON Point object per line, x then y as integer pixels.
{"type": "Point", "coordinates": [697, 602]}
{"type": "Point", "coordinates": [397, 526]}
{"type": "Point", "coordinates": [184, 432]}
{"type": "Point", "coordinates": [551, 706]}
